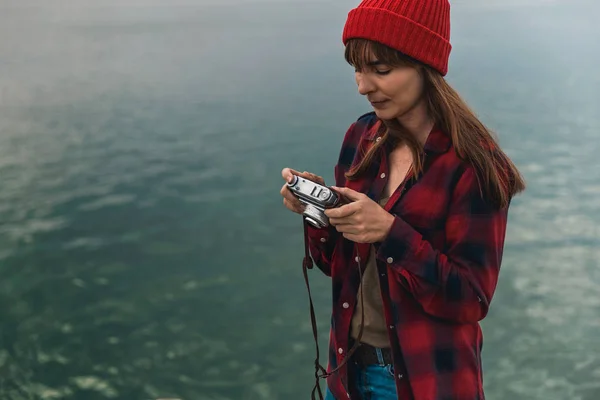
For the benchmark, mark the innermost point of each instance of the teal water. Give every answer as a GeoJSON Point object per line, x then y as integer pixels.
{"type": "Point", "coordinates": [144, 250]}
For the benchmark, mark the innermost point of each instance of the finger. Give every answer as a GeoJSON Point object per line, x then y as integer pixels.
{"type": "Point", "coordinates": [341, 221]}
{"type": "Point", "coordinates": [344, 211]}
{"type": "Point", "coordinates": [346, 228]}
{"type": "Point", "coordinates": [287, 194]}
{"type": "Point", "coordinates": [353, 237]}
{"type": "Point", "coordinates": [287, 174]}
{"type": "Point", "coordinates": [297, 208]}
{"type": "Point", "coordinates": [350, 194]}
{"type": "Point", "coordinates": [313, 177]}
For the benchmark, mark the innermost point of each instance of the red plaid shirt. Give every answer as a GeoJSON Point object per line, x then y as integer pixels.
{"type": "Point", "coordinates": [438, 269]}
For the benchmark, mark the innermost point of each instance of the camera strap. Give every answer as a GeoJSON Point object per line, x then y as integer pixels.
{"type": "Point", "coordinates": [320, 371]}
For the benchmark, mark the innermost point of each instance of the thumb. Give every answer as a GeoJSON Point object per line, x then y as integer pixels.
{"type": "Point", "coordinates": [348, 193]}
{"type": "Point", "coordinates": [288, 173]}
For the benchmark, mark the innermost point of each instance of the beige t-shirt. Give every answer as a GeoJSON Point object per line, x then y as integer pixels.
{"type": "Point", "coordinates": [375, 330]}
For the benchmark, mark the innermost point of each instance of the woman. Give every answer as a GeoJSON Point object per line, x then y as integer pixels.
{"type": "Point", "coordinates": [414, 257]}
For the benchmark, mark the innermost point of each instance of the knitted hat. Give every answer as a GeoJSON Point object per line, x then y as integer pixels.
{"type": "Point", "coordinates": [417, 28]}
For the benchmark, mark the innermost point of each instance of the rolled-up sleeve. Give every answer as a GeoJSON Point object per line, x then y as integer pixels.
{"type": "Point", "coordinates": [456, 284]}
{"type": "Point", "coordinates": [321, 243]}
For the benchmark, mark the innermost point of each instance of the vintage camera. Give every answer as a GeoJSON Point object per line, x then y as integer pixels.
{"type": "Point", "coordinates": [316, 198]}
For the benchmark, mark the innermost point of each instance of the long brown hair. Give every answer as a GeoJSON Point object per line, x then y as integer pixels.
{"type": "Point", "coordinates": [499, 179]}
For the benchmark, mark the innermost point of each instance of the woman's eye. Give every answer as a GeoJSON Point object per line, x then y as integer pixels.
{"type": "Point", "coordinates": [378, 72]}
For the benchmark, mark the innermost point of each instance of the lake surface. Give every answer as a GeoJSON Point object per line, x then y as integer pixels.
{"type": "Point", "coordinates": [144, 250]}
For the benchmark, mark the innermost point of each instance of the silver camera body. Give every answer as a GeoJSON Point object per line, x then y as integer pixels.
{"type": "Point", "coordinates": [316, 199]}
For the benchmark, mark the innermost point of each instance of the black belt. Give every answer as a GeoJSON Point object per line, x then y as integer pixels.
{"type": "Point", "coordinates": [366, 354]}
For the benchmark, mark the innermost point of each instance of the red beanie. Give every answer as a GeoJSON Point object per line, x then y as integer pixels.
{"type": "Point", "coordinates": [417, 28]}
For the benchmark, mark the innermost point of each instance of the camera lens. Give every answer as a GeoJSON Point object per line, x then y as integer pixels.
{"type": "Point", "coordinates": [315, 216]}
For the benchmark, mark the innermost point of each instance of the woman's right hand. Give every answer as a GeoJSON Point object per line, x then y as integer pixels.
{"type": "Point", "coordinates": [289, 200]}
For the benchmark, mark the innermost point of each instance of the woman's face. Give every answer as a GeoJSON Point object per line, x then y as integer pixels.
{"type": "Point", "coordinates": [392, 91]}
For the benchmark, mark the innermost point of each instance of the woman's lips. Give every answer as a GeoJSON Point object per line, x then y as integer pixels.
{"type": "Point", "coordinates": [379, 104]}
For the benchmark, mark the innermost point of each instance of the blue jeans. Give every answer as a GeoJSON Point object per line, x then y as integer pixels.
{"type": "Point", "coordinates": [374, 382]}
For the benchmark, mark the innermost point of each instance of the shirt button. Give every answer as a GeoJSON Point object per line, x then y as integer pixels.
{"type": "Point", "coordinates": [390, 260]}
{"type": "Point", "coordinates": [345, 305]}
{"type": "Point", "coordinates": [323, 240]}
{"type": "Point", "coordinates": [400, 376]}
{"type": "Point", "coordinates": [391, 326]}
{"type": "Point", "coordinates": [382, 175]}
{"type": "Point", "coordinates": [479, 299]}
{"type": "Point", "coordinates": [340, 350]}
{"type": "Point", "coordinates": [357, 259]}
{"type": "Point", "coordinates": [378, 139]}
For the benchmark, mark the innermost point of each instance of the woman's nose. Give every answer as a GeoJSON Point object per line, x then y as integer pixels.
{"type": "Point", "coordinates": [365, 86]}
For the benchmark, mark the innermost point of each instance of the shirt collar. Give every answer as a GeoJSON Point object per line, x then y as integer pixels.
{"type": "Point", "coordinates": [437, 141]}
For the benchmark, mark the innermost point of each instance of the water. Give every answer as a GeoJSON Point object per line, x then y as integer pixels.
{"type": "Point", "coordinates": [144, 250]}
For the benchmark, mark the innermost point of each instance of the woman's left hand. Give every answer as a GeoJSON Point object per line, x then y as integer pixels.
{"type": "Point", "coordinates": [362, 220]}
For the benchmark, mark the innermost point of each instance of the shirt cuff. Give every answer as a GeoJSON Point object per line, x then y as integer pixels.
{"type": "Point", "coordinates": [319, 235]}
